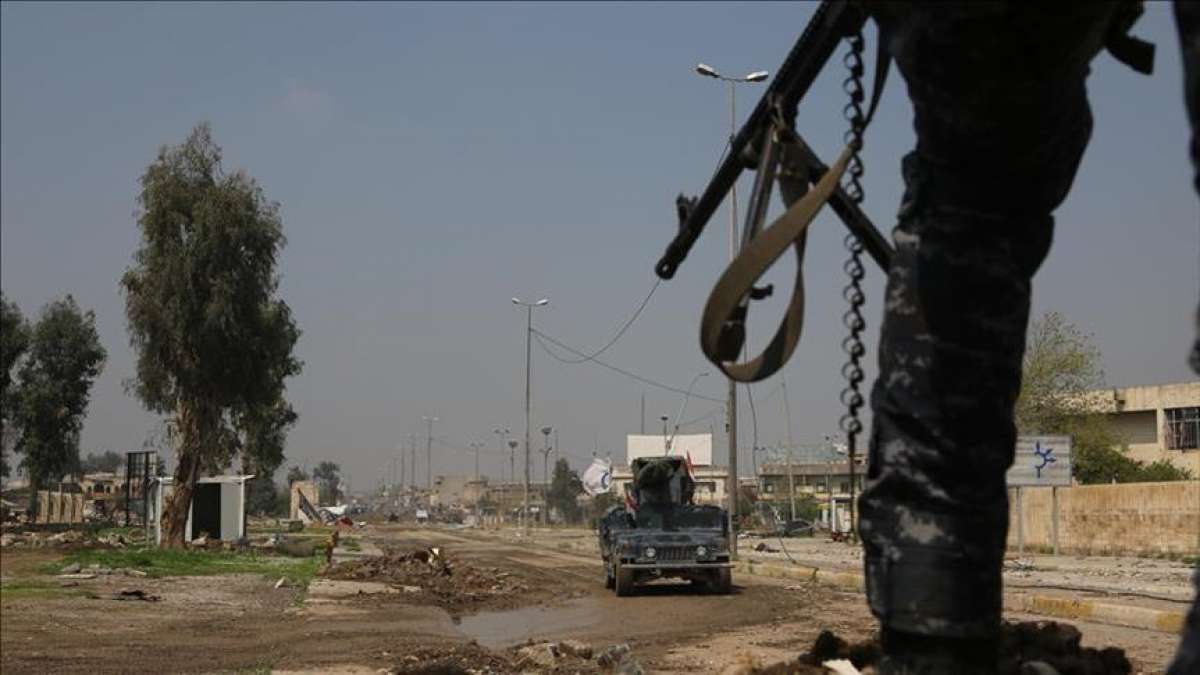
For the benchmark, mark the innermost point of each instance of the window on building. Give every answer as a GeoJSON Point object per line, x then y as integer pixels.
{"type": "Point", "coordinates": [706, 486]}
{"type": "Point", "coordinates": [1183, 428]}
{"type": "Point", "coordinates": [769, 488]}
{"type": "Point", "coordinates": [844, 486]}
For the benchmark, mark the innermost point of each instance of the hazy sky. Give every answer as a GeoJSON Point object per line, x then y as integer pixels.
{"type": "Point", "coordinates": [432, 161]}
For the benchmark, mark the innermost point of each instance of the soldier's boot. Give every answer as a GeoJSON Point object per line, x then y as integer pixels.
{"type": "Point", "coordinates": [912, 654]}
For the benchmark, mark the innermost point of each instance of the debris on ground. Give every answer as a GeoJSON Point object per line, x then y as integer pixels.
{"type": "Point", "coordinates": [73, 568]}
{"type": "Point", "coordinates": [762, 547]}
{"type": "Point", "coordinates": [618, 659]}
{"type": "Point", "coordinates": [1028, 646]}
{"type": "Point", "coordinates": [135, 594]}
{"type": "Point", "coordinates": [428, 573]}
{"type": "Point", "coordinates": [452, 660]}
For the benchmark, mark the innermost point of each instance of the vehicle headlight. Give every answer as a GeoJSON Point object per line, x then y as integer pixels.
{"type": "Point", "coordinates": [701, 551]}
{"type": "Point", "coordinates": [650, 552]}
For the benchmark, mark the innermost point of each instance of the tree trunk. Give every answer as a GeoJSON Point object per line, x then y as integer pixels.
{"type": "Point", "coordinates": [193, 427]}
{"type": "Point", "coordinates": [35, 484]}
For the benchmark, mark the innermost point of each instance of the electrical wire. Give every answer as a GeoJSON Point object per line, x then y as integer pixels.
{"type": "Point", "coordinates": [705, 416]}
{"type": "Point", "coordinates": [542, 339]}
{"type": "Point", "coordinates": [621, 331]}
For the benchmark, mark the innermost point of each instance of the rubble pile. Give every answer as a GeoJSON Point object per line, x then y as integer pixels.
{"type": "Point", "coordinates": [432, 574]}
{"type": "Point", "coordinates": [456, 660]}
{"type": "Point", "coordinates": [67, 539]}
{"type": "Point", "coordinates": [1046, 642]}
{"type": "Point", "coordinates": [573, 656]}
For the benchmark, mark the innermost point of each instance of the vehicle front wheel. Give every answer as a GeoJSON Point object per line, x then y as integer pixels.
{"type": "Point", "coordinates": [722, 584]}
{"type": "Point", "coordinates": [624, 581]}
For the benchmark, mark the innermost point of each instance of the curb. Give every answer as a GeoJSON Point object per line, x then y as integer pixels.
{"type": "Point", "coordinates": [1059, 607]}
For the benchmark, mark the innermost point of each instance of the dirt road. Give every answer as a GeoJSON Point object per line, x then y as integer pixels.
{"type": "Point", "coordinates": [241, 622]}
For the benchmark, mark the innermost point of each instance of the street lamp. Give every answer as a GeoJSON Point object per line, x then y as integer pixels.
{"type": "Point", "coordinates": [476, 447]}
{"type": "Point", "coordinates": [545, 472]}
{"type": "Point", "coordinates": [429, 420]}
{"type": "Point", "coordinates": [682, 406]}
{"type": "Point", "coordinates": [731, 410]}
{"type": "Point", "coordinates": [502, 436]}
{"type": "Point", "coordinates": [528, 357]}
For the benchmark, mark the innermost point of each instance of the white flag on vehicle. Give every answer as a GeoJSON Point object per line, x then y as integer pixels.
{"type": "Point", "coordinates": [598, 477]}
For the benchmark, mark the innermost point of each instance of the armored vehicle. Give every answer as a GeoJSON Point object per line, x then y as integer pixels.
{"type": "Point", "coordinates": [660, 533]}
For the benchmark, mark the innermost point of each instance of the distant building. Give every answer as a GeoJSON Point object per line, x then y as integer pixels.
{"type": "Point", "coordinates": [711, 481]}
{"type": "Point", "coordinates": [810, 479]}
{"type": "Point", "coordinates": [1158, 422]}
{"type": "Point", "coordinates": [103, 485]}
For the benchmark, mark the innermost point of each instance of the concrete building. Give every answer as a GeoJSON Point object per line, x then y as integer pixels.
{"type": "Point", "coordinates": [815, 479]}
{"type": "Point", "coordinates": [711, 481]}
{"type": "Point", "coordinates": [1158, 422]}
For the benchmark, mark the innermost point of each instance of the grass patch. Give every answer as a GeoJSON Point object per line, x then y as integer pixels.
{"type": "Point", "coordinates": [26, 588]}
{"type": "Point", "coordinates": [184, 563]}
{"type": "Point", "coordinates": [351, 545]}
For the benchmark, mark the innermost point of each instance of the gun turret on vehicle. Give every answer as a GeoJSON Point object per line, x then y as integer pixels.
{"type": "Point", "coordinates": [661, 533]}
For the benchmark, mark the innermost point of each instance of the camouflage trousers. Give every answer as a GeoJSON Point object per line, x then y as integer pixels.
{"type": "Point", "coordinates": [1002, 120]}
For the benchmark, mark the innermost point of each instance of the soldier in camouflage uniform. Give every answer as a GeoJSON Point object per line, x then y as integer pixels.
{"type": "Point", "coordinates": [1002, 120]}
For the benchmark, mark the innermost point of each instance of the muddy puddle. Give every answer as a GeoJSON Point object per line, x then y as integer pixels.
{"type": "Point", "coordinates": [513, 626]}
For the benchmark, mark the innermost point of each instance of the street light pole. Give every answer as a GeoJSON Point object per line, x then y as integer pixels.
{"type": "Point", "coordinates": [502, 436]}
{"type": "Point", "coordinates": [731, 408]}
{"type": "Point", "coordinates": [545, 475]}
{"type": "Point", "coordinates": [682, 407]}
{"type": "Point", "coordinates": [429, 451]}
{"type": "Point", "coordinates": [528, 369]}
{"type": "Point", "coordinates": [787, 416]}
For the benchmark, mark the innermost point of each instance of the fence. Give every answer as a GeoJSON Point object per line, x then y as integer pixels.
{"type": "Point", "coordinates": [1128, 518]}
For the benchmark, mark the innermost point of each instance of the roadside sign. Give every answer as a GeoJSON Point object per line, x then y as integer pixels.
{"type": "Point", "coordinates": [1041, 460]}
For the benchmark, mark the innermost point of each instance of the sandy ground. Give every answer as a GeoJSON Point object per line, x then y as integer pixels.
{"type": "Point", "coordinates": [240, 623]}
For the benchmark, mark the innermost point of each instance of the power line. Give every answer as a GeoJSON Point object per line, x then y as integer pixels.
{"type": "Point", "coordinates": [705, 416]}
{"type": "Point", "coordinates": [542, 338]}
{"type": "Point", "coordinates": [621, 331]}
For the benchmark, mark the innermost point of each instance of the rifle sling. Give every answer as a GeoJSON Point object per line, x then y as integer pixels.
{"type": "Point", "coordinates": [722, 308]}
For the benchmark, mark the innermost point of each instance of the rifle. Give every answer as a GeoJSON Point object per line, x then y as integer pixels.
{"type": "Point", "coordinates": [768, 143]}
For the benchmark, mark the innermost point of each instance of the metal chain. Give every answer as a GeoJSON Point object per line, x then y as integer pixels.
{"type": "Point", "coordinates": [853, 320]}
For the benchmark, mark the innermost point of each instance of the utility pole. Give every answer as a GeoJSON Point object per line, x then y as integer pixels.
{"type": "Point", "coordinates": [429, 451]}
{"type": "Point", "coordinates": [528, 382]}
{"type": "Point", "coordinates": [787, 416]}
{"type": "Point", "coordinates": [400, 449]}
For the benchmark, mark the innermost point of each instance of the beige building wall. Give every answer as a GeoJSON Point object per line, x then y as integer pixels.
{"type": "Point", "coordinates": [1139, 415]}
{"type": "Point", "coordinates": [1128, 518]}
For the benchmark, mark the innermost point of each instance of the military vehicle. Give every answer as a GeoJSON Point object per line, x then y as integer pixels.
{"type": "Point", "coordinates": [660, 533]}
